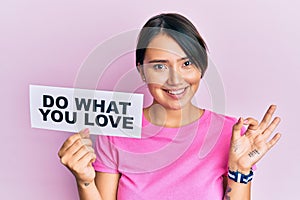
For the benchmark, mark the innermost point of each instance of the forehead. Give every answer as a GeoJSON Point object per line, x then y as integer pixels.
{"type": "Point", "coordinates": [163, 46]}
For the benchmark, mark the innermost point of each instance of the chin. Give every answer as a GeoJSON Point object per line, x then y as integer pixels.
{"type": "Point", "coordinates": [175, 105]}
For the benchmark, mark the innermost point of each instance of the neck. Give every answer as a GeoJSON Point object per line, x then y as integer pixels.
{"type": "Point", "coordinates": [158, 115]}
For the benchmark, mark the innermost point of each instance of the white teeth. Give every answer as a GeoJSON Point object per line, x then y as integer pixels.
{"type": "Point", "coordinates": [176, 92]}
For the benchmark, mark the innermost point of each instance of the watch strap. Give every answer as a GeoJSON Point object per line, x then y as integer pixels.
{"type": "Point", "coordinates": [239, 177]}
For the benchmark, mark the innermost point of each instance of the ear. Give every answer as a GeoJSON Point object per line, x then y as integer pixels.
{"type": "Point", "coordinates": [141, 71]}
{"type": "Point", "coordinates": [200, 71]}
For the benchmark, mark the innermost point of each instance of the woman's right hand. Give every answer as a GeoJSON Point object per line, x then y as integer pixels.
{"type": "Point", "coordinates": [77, 154]}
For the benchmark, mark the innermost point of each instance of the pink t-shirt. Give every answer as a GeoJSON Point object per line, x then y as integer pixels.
{"type": "Point", "coordinates": [170, 163]}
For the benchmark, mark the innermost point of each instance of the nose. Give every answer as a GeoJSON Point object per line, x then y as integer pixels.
{"type": "Point", "coordinates": [175, 78]}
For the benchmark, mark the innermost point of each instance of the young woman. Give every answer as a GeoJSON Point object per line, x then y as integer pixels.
{"type": "Point", "coordinates": [167, 163]}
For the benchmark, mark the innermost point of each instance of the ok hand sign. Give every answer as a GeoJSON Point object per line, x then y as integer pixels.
{"type": "Point", "coordinates": [248, 149]}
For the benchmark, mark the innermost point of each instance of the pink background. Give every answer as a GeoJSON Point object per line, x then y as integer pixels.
{"type": "Point", "coordinates": [254, 45]}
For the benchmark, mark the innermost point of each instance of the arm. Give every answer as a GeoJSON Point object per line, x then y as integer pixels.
{"type": "Point", "coordinates": [107, 184]}
{"type": "Point", "coordinates": [78, 155]}
{"type": "Point", "coordinates": [234, 190]}
{"type": "Point", "coordinates": [246, 150]}
{"type": "Point", "coordinates": [104, 187]}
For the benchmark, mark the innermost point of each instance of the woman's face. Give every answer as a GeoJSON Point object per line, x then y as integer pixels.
{"type": "Point", "coordinates": [171, 77]}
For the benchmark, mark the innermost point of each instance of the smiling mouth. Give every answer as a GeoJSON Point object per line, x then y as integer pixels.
{"type": "Point", "coordinates": [176, 92]}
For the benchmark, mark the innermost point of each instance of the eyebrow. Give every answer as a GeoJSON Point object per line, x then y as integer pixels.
{"type": "Point", "coordinates": [165, 61]}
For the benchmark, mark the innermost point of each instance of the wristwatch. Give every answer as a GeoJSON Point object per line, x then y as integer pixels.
{"type": "Point", "coordinates": [239, 177]}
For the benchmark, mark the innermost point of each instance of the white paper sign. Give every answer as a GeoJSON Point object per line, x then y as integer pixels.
{"type": "Point", "coordinates": [72, 109]}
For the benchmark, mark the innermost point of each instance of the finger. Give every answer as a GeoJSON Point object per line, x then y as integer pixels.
{"type": "Point", "coordinates": [68, 143]}
{"type": "Point", "coordinates": [267, 117]}
{"type": "Point", "coordinates": [79, 165]}
{"type": "Point", "coordinates": [88, 158]}
{"type": "Point", "coordinates": [237, 128]}
{"type": "Point", "coordinates": [85, 133]}
{"type": "Point", "coordinates": [271, 127]}
{"type": "Point", "coordinates": [69, 153]}
{"type": "Point", "coordinates": [87, 142]}
{"type": "Point", "coordinates": [81, 152]}
{"type": "Point", "coordinates": [252, 123]}
{"type": "Point", "coordinates": [91, 149]}
{"type": "Point", "coordinates": [73, 160]}
{"type": "Point", "coordinates": [273, 141]}
{"type": "Point", "coordinates": [93, 160]}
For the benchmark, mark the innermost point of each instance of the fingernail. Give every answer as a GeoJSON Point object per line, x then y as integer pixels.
{"type": "Point", "coordinates": [86, 131]}
{"type": "Point", "coordinates": [240, 120]}
{"type": "Point", "coordinates": [246, 121]}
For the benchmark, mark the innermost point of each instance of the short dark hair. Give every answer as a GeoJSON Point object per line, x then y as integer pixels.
{"type": "Point", "coordinates": [181, 30]}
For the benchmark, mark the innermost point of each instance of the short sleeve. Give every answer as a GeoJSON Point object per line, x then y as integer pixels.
{"type": "Point", "coordinates": [106, 155]}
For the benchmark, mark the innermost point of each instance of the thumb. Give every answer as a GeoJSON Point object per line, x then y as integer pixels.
{"type": "Point", "coordinates": [237, 128]}
{"type": "Point", "coordinates": [85, 133]}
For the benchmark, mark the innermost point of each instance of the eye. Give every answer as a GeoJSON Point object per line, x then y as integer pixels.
{"type": "Point", "coordinates": [160, 67]}
{"type": "Point", "coordinates": [187, 63]}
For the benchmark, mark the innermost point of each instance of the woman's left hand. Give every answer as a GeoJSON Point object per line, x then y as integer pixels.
{"type": "Point", "coordinates": [248, 149]}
